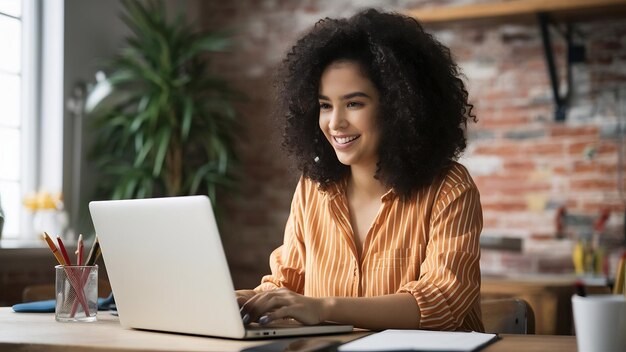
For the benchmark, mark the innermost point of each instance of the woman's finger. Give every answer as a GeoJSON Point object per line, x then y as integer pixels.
{"type": "Point", "coordinates": [243, 296]}
{"type": "Point", "coordinates": [278, 304]}
{"type": "Point", "coordinates": [265, 304]}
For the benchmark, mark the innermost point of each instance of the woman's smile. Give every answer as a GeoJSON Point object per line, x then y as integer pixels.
{"type": "Point", "coordinates": [342, 142]}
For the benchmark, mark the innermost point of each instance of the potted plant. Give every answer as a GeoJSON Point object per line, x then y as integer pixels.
{"type": "Point", "coordinates": [164, 123]}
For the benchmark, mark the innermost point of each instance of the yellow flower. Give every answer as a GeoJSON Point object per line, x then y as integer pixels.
{"type": "Point", "coordinates": [45, 201]}
{"type": "Point", "coordinates": [42, 200]}
{"type": "Point", "coordinates": [30, 201]}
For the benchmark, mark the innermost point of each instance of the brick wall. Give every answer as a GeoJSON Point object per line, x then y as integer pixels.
{"type": "Point", "coordinates": [525, 164]}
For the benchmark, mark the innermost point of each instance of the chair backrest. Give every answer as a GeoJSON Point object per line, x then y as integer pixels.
{"type": "Point", "coordinates": [508, 316]}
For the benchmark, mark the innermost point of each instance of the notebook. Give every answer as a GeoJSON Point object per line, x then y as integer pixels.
{"type": "Point", "coordinates": [168, 270]}
{"type": "Point", "coordinates": [420, 340]}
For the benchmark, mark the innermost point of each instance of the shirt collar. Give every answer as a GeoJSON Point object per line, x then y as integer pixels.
{"type": "Point", "coordinates": [339, 188]}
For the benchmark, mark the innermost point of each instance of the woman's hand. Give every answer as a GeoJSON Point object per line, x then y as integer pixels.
{"type": "Point", "coordinates": [281, 303]}
{"type": "Point", "coordinates": [243, 296]}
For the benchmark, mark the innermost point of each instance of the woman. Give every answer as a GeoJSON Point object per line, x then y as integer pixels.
{"type": "Point", "coordinates": [384, 224]}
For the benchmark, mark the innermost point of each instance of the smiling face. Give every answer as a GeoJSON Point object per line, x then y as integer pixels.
{"type": "Point", "coordinates": [349, 104]}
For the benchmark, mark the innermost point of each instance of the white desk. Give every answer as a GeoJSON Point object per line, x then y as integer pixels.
{"type": "Point", "coordinates": [36, 332]}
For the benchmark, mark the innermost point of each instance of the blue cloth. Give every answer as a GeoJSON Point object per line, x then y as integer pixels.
{"type": "Point", "coordinates": [48, 305]}
{"type": "Point", "coordinates": [35, 307]}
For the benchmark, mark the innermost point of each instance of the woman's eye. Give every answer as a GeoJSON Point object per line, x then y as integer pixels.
{"type": "Point", "coordinates": [324, 106]}
{"type": "Point", "coordinates": [354, 104]}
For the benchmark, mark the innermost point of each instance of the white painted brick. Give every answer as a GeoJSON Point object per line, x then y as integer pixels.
{"type": "Point", "coordinates": [479, 165]}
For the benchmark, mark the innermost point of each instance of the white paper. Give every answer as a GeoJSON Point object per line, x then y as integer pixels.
{"type": "Point", "coordinates": [418, 340]}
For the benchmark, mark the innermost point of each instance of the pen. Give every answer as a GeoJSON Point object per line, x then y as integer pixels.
{"type": "Point", "coordinates": [63, 251]}
{"type": "Point", "coordinates": [53, 248]}
{"type": "Point", "coordinates": [79, 259]}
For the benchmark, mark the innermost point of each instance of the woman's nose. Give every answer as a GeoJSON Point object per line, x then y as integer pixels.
{"type": "Point", "coordinates": [337, 120]}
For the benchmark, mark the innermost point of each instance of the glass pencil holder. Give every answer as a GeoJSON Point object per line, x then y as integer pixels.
{"type": "Point", "coordinates": [76, 293]}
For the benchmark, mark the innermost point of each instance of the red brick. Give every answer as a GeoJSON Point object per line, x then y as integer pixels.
{"type": "Point", "coordinates": [572, 205]}
{"type": "Point", "coordinates": [569, 131]}
{"type": "Point", "coordinates": [502, 122]}
{"type": "Point", "coordinates": [499, 149]}
{"type": "Point", "coordinates": [536, 64]}
{"type": "Point", "coordinates": [517, 166]}
{"type": "Point", "coordinates": [490, 222]}
{"type": "Point", "coordinates": [500, 181]}
{"type": "Point", "coordinates": [520, 191]}
{"type": "Point", "coordinates": [543, 148]}
{"type": "Point", "coordinates": [513, 111]}
{"type": "Point", "coordinates": [607, 148]}
{"type": "Point", "coordinates": [509, 205]}
{"type": "Point", "coordinates": [581, 167]}
{"type": "Point", "coordinates": [498, 94]}
{"type": "Point", "coordinates": [593, 184]}
{"type": "Point", "coordinates": [594, 166]}
{"type": "Point", "coordinates": [577, 148]}
{"type": "Point", "coordinates": [596, 206]}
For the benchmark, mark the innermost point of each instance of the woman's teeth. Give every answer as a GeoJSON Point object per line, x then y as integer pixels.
{"type": "Point", "coordinates": [344, 140]}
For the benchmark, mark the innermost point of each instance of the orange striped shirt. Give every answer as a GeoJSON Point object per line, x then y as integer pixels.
{"type": "Point", "coordinates": [426, 246]}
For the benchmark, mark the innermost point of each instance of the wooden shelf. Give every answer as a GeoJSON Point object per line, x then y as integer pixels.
{"type": "Point", "coordinates": [515, 11]}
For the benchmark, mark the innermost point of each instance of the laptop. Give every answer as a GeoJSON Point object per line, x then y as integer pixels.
{"type": "Point", "coordinates": [168, 270]}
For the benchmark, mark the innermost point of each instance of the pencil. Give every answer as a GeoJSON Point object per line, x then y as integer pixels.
{"type": "Point", "coordinates": [79, 259]}
{"type": "Point", "coordinates": [53, 248]}
{"type": "Point", "coordinates": [94, 253]}
{"type": "Point", "coordinates": [63, 251]}
{"type": "Point", "coordinates": [92, 257]}
{"type": "Point", "coordinates": [620, 276]}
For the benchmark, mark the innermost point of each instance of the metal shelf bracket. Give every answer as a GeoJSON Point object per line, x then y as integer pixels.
{"type": "Point", "coordinates": [575, 54]}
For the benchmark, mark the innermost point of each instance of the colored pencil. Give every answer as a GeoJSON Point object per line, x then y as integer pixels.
{"type": "Point", "coordinates": [63, 251]}
{"type": "Point", "coordinates": [79, 259]}
{"type": "Point", "coordinates": [53, 248]}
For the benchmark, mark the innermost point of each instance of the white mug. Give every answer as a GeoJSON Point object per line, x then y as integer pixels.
{"type": "Point", "coordinates": [600, 322]}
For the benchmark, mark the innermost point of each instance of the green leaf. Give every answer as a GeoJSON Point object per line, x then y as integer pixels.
{"type": "Point", "coordinates": [212, 42]}
{"type": "Point", "coordinates": [143, 103]}
{"type": "Point", "coordinates": [138, 121]}
{"type": "Point", "coordinates": [121, 77]}
{"type": "Point", "coordinates": [147, 185]}
{"type": "Point", "coordinates": [139, 138]}
{"type": "Point", "coordinates": [129, 189]}
{"type": "Point", "coordinates": [187, 118]}
{"type": "Point", "coordinates": [166, 63]}
{"type": "Point", "coordinates": [198, 178]}
{"type": "Point", "coordinates": [163, 139]}
{"type": "Point", "coordinates": [143, 152]}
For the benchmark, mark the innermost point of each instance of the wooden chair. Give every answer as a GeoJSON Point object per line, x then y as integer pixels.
{"type": "Point", "coordinates": [508, 316]}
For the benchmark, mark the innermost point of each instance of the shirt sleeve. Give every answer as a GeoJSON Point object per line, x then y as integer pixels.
{"type": "Point", "coordinates": [449, 282]}
{"type": "Point", "coordinates": [287, 262]}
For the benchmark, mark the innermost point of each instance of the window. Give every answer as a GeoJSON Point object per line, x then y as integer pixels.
{"type": "Point", "coordinates": [17, 111]}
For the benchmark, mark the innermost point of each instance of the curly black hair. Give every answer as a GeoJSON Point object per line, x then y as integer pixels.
{"type": "Point", "coordinates": [424, 106]}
